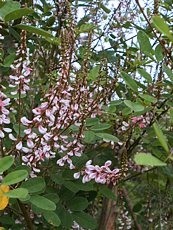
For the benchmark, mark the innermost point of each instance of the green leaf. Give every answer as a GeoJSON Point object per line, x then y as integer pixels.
{"type": "Point", "coordinates": [34, 185]}
{"type": "Point", "coordinates": [6, 163]}
{"type": "Point", "coordinates": [159, 53]}
{"type": "Point", "coordinates": [134, 106]}
{"type": "Point", "coordinates": [146, 75]}
{"type": "Point", "coordinates": [107, 137]}
{"type": "Point", "coordinates": [106, 10]}
{"type": "Point", "coordinates": [144, 42]}
{"type": "Point", "coordinates": [86, 27]}
{"type": "Point", "coordinates": [85, 220]}
{"type": "Point", "coordinates": [78, 204]}
{"type": "Point", "coordinates": [160, 25]}
{"type": "Point", "coordinates": [168, 72]}
{"type": "Point", "coordinates": [89, 137]}
{"type": "Point", "coordinates": [18, 14]}
{"type": "Point", "coordinates": [92, 121]}
{"type": "Point", "coordinates": [148, 98]}
{"type": "Point", "coordinates": [100, 127]}
{"type": "Point", "coordinates": [94, 72]}
{"type": "Point", "coordinates": [8, 7]}
{"type": "Point", "coordinates": [171, 115]}
{"type": "Point", "coordinates": [35, 30]}
{"type": "Point", "coordinates": [42, 202]}
{"type": "Point", "coordinates": [105, 191]}
{"type": "Point", "coordinates": [52, 218]}
{"type": "Point", "coordinates": [53, 197]}
{"type": "Point", "coordinates": [19, 193]}
{"type": "Point", "coordinates": [65, 217]}
{"type": "Point", "coordinates": [161, 137]}
{"type": "Point", "coordinates": [9, 60]}
{"type": "Point", "coordinates": [15, 177]}
{"type": "Point", "coordinates": [71, 186]}
{"type": "Point", "coordinates": [148, 160]}
{"type": "Point", "coordinates": [129, 81]}
{"type": "Point", "coordinates": [85, 186]}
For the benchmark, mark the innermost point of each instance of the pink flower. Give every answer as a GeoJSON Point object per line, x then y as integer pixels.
{"type": "Point", "coordinates": [26, 70]}
{"type": "Point", "coordinates": [140, 121]}
{"type": "Point", "coordinates": [101, 174]}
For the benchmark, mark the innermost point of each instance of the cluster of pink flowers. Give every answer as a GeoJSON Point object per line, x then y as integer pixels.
{"type": "Point", "coordinates": [141, 121]}
{"type": "Point", "coordinates": [101, 174]}
{"type": "Point", "coordinates": [46, 135]}
{"type": "Point", "coordinates": [4, 115]}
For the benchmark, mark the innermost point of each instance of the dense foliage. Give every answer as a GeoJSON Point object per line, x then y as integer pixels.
{"type": "Point", "coordinates": [86, 114]}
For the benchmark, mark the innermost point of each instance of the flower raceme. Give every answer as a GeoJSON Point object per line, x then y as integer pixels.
{"type": "Point", "coordinates": [63, 106]}
{"type": "Point", "coordinates": [101, 174]}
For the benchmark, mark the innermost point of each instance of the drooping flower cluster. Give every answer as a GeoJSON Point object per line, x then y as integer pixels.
{"type": "Point", "coordinates": [101, 174]}
{"type": "Point", "coordinates": [4, 115]}
{"type": "Point", "coordinates": [67, 104]}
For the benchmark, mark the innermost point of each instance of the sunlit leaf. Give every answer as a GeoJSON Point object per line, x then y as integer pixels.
{"type": "Point", "coordinates": [130, 81]}
{"type": "Point", "coordinates": [18, 193]}
{"type": "Point", "coordinates": [6, 163]}
{"type": "Point", "coordinates": [161, 25]}
{"type": "Point", "coordinates": [144, 42]}
{"type": "Point", "coordinates": [147, 159]}
{"type": "Point", "coordinates": [145, 74]}
{"type": "Point", "coordinates": [18, 14]}
{"type": "Point", "coordinates": [107, 137]}
{"type": "Point", "coordinates": [161, 137]}
{"type": "Point", "coordinates": [8, 7]}
{"type": "Point", "coordinates": [15, 177]}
